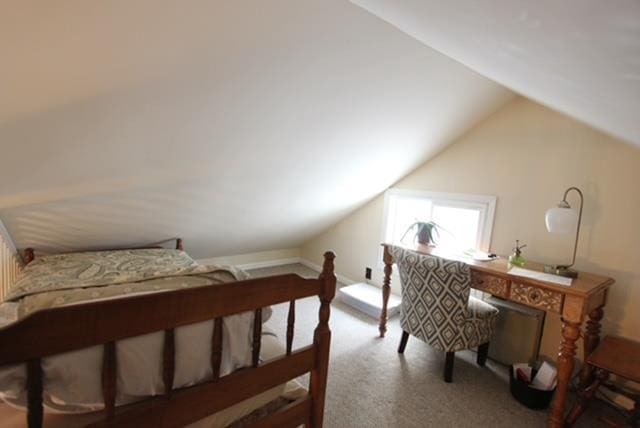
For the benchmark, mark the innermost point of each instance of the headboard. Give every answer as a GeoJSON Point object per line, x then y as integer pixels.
{"type": "Point", "coordinates": [29, 253]}
{"type": "Point", "coordinates": [9, 266]}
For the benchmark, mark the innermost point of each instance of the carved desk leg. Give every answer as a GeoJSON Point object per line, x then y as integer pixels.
{"type": "Point", "coordinates": [591, 341]}
{"type": "Point", "coordinates": [386, 290]}
{"type": "Point", "coordinates": [566, 363]}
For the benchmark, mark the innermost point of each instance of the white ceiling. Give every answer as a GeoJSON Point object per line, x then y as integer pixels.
{"type": "Point", "coordinates": [240, 126]}
{"type": "Point", "coordinates": [581, 57]}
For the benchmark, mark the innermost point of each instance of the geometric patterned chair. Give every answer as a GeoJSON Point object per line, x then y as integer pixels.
{"type": "Point", "coordinates": [436, 306]}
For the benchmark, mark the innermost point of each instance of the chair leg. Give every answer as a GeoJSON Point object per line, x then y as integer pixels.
{"type": "Point", "coordinates": [584, 396]}
{"type": "Point", "coordinates": [448, 367]}
{"type": "Point", "coordinates": [483, 351]}
{"type": "Point", "coordinates": [403, 342]}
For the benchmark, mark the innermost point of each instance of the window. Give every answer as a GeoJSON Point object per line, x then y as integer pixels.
{"type": "Point", "coordinates": [465, 221]}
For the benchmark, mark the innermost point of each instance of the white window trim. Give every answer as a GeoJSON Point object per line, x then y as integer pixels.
{"type": "Point", "coordinates": [487, 203]}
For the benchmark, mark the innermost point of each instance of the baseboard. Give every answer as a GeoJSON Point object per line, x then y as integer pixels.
{"type": "Point", "coordinates": [251, 265]}
{"type": "Point", "coordinates": [270, 263]}
{"type": "Point", "coordinates": [280, 262]}
{"type": "Point", "coordinates": [342, 279]}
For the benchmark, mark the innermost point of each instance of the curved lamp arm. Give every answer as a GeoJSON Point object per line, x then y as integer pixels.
{"type": "Point", "coordinates": [564, 200]}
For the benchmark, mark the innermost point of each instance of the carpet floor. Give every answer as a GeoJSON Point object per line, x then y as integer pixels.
{"type": "Point", "coordinates": [371, 385]}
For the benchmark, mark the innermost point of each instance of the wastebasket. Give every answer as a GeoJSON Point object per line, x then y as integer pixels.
{"type": "Point", "coordinates": [527, 395]}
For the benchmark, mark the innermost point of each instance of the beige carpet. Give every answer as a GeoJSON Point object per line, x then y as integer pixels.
{"type": "Point", "coordinates": [371, 385]}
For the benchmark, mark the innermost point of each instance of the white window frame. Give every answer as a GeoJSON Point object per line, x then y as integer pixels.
{"type": "Point", "coordinates": [486, 204]}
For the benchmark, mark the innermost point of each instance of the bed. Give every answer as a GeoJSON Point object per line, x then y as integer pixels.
{"type": "Point", "coordinates": [149, 338]}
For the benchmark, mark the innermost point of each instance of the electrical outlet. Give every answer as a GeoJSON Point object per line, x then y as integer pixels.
{"type": "Point", "coordinates": [367, 273]}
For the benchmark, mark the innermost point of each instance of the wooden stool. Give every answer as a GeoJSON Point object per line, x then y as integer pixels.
{"type": "Point", "coordinates": [614, 355]}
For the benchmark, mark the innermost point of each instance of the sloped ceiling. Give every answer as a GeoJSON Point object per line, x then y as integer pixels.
{"type": "Point", "coordinates": [238, 125]}
{"type": "Point", "coordinates": [581, 57]}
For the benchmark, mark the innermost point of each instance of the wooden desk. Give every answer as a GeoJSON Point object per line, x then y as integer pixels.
{"type": "Point", "coordinates": [583, 300]}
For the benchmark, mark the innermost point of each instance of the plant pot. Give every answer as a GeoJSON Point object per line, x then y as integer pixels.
{"type": "Point", "coordinates": [424, 235]}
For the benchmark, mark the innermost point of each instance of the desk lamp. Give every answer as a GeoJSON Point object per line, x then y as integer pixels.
{"type": "Point", "coordinates": [562, 219]}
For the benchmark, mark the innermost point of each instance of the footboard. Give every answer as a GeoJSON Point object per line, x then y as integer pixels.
{"type": "Point", "coordinates": [69, 328]}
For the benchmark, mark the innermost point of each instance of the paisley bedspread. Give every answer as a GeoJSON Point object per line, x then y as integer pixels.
{"type": "Point", "coordinates": [63, 279]}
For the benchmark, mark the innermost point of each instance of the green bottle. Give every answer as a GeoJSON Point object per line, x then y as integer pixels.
{"type": "Point", "coordinates": [516, 258]}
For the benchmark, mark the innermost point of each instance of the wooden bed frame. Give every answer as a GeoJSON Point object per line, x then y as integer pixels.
{"type": "Point", "coordinates": [57, 330]}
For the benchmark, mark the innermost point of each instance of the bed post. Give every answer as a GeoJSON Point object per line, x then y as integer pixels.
{"type": "Point", "coordinates": [322, 342]}
{"type": "Point", "coordinates": [28, 256]}
{"type": "Point", "coordinates": [179, 245]}
{"type": "Point", "coordinates": [34, 393]}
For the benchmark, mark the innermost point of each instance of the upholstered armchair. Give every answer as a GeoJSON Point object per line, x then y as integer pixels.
{"type": "Point", "coordinates": [438, 309]}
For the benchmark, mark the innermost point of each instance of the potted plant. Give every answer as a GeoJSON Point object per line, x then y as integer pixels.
{"type": "Point", "coordinates": [426, 232]}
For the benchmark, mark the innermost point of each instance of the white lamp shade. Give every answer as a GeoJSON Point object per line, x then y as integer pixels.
{"type": "Point", "coordinates": [561, 220]}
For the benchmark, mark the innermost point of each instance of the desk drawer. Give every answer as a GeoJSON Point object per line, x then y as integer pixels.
{"type": "Point", "coordinates": [536, 297]}
{"type": "Point", "coordinates": [490, 284]}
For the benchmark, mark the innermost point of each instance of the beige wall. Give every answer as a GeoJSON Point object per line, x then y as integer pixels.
{"type": "Point", "coordinates": [527, 155]}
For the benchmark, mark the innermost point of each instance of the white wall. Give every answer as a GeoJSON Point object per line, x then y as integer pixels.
{"type": "Point", "coordinates": [580, 57]}
{"type": "Point", "coordinates": [527, 155]}
{"type": "Point", "coordinates": [240, 126]}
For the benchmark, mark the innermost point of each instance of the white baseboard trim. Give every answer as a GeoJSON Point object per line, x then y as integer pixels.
{"type": "Point", "coordinates": [270, 263]}
{"type": "Point", "coordinates": [342, 279]}
{"type": "Point", "coordinates": [250, 265]}
{"type": "Point", "coordinates": [280, 262]}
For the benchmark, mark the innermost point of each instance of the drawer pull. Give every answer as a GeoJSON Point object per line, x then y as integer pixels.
{"type": "Point", "coordinates": [536, 297]}
{"type": "Point", "coordinates": [491, 284]}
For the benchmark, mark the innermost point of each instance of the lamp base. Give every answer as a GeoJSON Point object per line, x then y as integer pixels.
{"type": "Point", "coordinates": [562, 271]}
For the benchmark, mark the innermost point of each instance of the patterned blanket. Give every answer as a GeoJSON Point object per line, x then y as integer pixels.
{"type": "Point", "coordinates": [61, 279]}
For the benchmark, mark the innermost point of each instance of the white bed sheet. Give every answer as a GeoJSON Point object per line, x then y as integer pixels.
{"type": "Point", "coordinates": [271, 348]}
{"type": "Point", "coordinates": [72, 381]}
